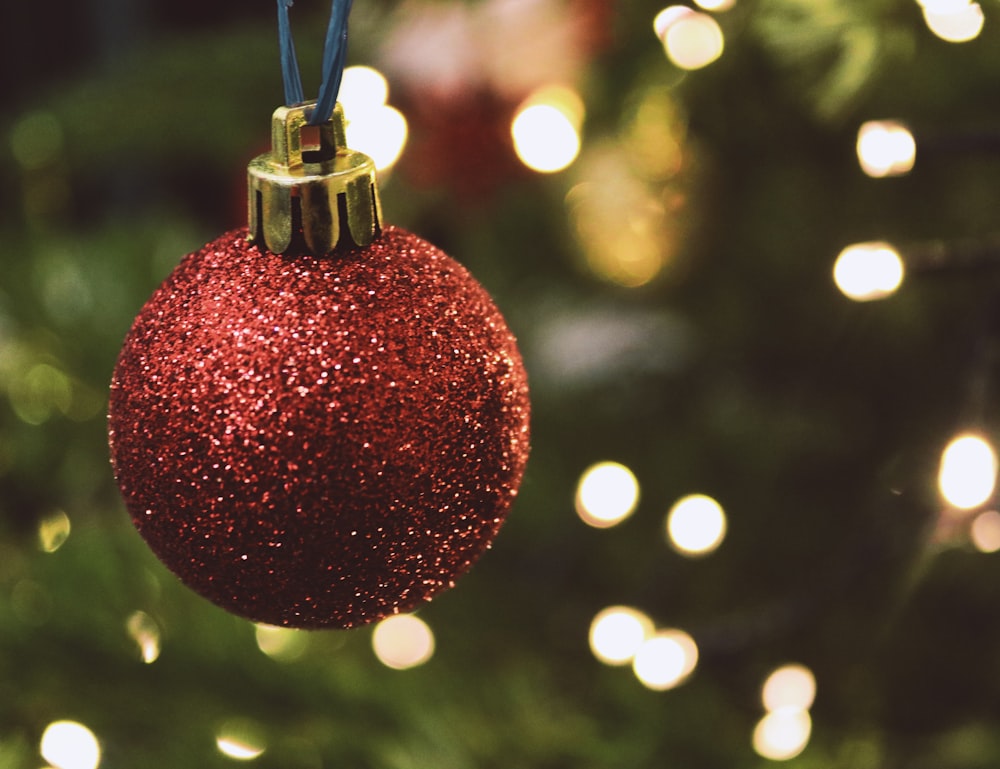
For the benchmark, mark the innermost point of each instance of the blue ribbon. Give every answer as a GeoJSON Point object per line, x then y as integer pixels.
{"type": "Point", "coordinates": [334, 58]}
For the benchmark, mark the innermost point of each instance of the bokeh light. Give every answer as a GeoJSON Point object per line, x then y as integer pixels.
{"type": "Point", "coordinates": [546, 129]}
{"type": "Point", "coordinates": [696, 525]}
{"type": "Point", "coordinates": [885, 148]}
{"type": "Point", "coordinates": [36, 140]}
{"type": "Point", "coordinates": [617, 632]}
{"type": "Point", "coordinates": [955, 21]}
{"type": "Point", "coordinates": [284, 644]}
{"type": "Point", "coordinates": [715, 5]}
{"type": "Point", "coordinates": [968, 472]}
{"type": "Point", "coordinates": [868, 271]}
{"type": "Point", "coordinates": [985, 532]}
{"type": "Point", "coordinates": [70, 745]}
{"type": "Point", "coordinates": [53, 531]}
{"type": "Point", "coordinates": [665, 18]}
{"type": "Point", "coordinates": [790, 686]}
{"type": "Point", "coordinates": [691, 40]}
{"type": "Point", "coordinates": [144, 630]}
{"type": "Point", "coordinates": [373, 127]}
{"type": "Point", "coordinates": [241, 740]}
{"type": "Point", "coordinates": [403, 641]}
{"type": "Point", "coordinates": [665, 660]}
{"type": "Point", "coordinates": [782, 734]}
{"type": "Point", "coordinates": [607, 494]}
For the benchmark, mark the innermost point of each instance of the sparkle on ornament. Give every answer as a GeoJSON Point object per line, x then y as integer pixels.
{"type": "Point", "coordinates": [546, 129]}
{"type": "Point", "coordinates": [691, 40]}
{"type": "Point", "coordinates": [885, 148]}
{"type": "Point", "coordinates": [968, 472]}
{"type": "Point", "coordinates": [53, 531]}
{"type": "Point", "coordinates": [70, 745]}
{"type": "Point", "coordinates": [606, 495]}
{"type": "Point", "coordinates": [696, 525]}
{"type": "Point", "coordinates": [790, 686]}
{"type": "Point", "coordinates": [782, 734]}
{"type": "Point", "coordinates": [868, 271]}
{"type": "Point", "coordinates": [146, 633]}
{"type": "Point", "coordinates": [955, 21]}
{"type": "Point", "coordinates": [617, 632]}
{"type": "Point", "coordinates": [665, 660]}
{"type": "Point", "coordinates": [985, 531]}
{"type": "Point", "coordinates": [403, 641]}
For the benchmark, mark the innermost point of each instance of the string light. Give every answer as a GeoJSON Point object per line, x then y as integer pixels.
{"type": "Point", "coordinates": [617, 632]}
{"type": "Point", "coordinates": [284, 644]}
{"type": "Point", "coordinates": [403, 641]}
{"type": "Point", "coordinates": [955, 21]}
{"type": "Point", "coordinates": [692, 40]}
{"type": "Point", "coordinates": [665, 660]}
{"type": "Point", "coordinates": [715, 5]}
{"type": "Point", "coordinates": [606, 495]}
{"type": "Point", "coordinates": [885, 148]}
{"type": "Point", "coordinates": [53, 531]}
{"type": "Point", "coordinates": [240, 740]}
{"type": "Point", "coordinates": [70, 745]}
{"type": "Point", "coordinates": [146, 633]}
{"type": "Point", "coordinates": [373, 127]}
{"type": "Point", "coordinates": [985, 532]}
{"type": "Point", "coordinates": [790, 686]}
{"type": "Point", "coordinates": [546, 129]}
{"type": "Point", "coordinates": [696, 525]}
{"type": "Point", "coordinates": [782, 734]}
{"type": "Point", "coordinates": [868, 271]}
{"type": "Point", "coordinates": [968, 472]}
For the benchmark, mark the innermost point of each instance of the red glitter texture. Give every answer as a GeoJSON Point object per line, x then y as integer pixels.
{"type": "Point", "coordinates": [319, 441]}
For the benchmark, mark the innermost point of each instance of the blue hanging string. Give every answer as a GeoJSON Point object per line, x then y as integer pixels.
{"type": "Point", "coordinates": [289, 64]}
{"type": "Point", "coordinates": [334, 58]}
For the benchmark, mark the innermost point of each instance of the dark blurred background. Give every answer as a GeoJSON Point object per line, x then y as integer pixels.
{"type": "Point", "coordinates": [672, 290]}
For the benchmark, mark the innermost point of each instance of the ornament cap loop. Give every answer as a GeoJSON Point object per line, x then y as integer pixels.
{"type": "Point", "coordinates": [315, 198]}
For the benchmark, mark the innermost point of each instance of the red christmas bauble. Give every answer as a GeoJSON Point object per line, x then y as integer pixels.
{"type": "Point", "coordinates": [319, 441]}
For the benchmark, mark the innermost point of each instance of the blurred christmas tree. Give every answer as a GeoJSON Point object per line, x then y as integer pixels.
{"type": "Point", "coordinates": [660, 231]}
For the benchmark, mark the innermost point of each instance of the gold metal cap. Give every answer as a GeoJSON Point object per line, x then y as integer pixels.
{"type": "Point", "coordinates": [312, 198]}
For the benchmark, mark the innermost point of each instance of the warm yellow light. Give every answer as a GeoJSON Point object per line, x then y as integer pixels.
{"type": "Point", "coordinates": [790, 686]}
{"type": "Point", "coordinates": [868, 271]}
{"type": "Point", "coordinates": [373, 127]}
{"type": "Point", "coordinates": [782, 734]}
{"type": "Point", "coordinates": [607, 494]}
{"type": "Point", "coordinates": [284, 644]}
{"type": "Point", "coordinates": [53, 531]}
{"type": "Point", "coordinates": [403, 641]}
{"type": "Point", "coordinates": [70, 745]}
{"type": "Point", "coordinates": [146, 633]}
{"type": "Point", "coordinates": [968, 472]}
{"type": "Point", "coordinates": [955, 21]}
{"type": "Point", "coordinates": [616, 634]}
{"type": "Point", "coordinates": [666, 18]}
{"type": "Point", "coordinates": [665, 660]}
{"type": "Point", "coordinates": [885, 148]}
{"type": "Point", "coordinates": [380, 134]}
{"type": "Point", "coordinates": [362, 89]}
{"type": "Point", "coordinates": [696, 525]}
{"type": "Point", "coordinates": [693, 41]}
{"type": "Point", "coordinates": [715, 5]}
{"type": "Point", "coordinates": [985, 532]}
{"type": "Point", "coordinates": [546, 129]}
{"type": "Point", "coordinates": [239, 747]}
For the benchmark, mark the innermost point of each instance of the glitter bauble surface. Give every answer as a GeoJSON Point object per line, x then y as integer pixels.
{"type": "Point", "coordinates": [319, 441]}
